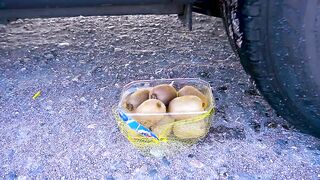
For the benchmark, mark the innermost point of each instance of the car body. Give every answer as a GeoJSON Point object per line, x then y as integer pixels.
{"type": "Point", "coordinates": [13, 9]}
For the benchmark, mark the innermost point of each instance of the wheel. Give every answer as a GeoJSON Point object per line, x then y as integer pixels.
{"type": "Point", "coordinates": [278, 43]}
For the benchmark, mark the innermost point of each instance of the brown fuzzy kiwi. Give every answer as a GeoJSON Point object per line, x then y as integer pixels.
{"type": "Point", "coordinates": [150, 106]}
{"type": "Point", "coordinates": [136, 98]}
{"type": "Point", "coordinates": [164, 93]}
{"type": "Point", "coordinates": [190, 90]}
{"type": "Point", "coordinates": [185, 104]}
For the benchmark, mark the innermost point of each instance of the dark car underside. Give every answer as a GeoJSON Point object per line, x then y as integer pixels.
{"type": "Point", "coordinates": [13, 9]}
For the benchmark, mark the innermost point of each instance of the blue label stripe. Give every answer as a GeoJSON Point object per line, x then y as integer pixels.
{"type": "Point", "coordinates": [123, 116]}
{"type": "Point", "coordinates": [137, 126]}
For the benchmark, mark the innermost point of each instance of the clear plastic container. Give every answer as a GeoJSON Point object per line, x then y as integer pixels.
{"type": "Point", "coordinates": [182, 120]}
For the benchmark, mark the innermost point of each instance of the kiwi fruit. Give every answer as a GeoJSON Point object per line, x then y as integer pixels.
{"type": "Point", "coordinates": [149, 107]}
{"type": "Point", "coordinates": [185, 104]}
{"type": "Point", "coordinates": [190, 130]}
{"type": "Point", "coordinates": [136, 98]}
{"type": "Point", "coordinates": [164, 93]}
{"type": "Point", "coordinates": [164, 127]}
{"type": "Point", "coordinates": [190, 90]}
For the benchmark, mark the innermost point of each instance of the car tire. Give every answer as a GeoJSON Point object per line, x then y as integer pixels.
{"type": "Point", "coordinates": [278, 43]}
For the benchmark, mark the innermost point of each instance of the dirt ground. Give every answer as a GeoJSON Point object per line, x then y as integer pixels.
{"type": "Point", "coordinates": [80, 65]}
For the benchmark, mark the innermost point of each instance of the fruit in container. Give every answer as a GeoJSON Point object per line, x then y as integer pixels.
{"type": "Point", "coordinates": [190, 130]}
{"type": "Point", "coordinates": [136, 98]}
{"type": "Point", "coordinates": [163, 92]}
{"type": "Point", "coordinates": [185, 104]}
{"type": "Point", "coordinates": [154, 111]}
{"type": "Point", "coordinates": [164, 127]}
{"type": "Point", "coordinates": [190, 90]}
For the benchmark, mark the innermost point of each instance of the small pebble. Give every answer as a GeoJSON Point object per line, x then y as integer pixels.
{"type": "Point", "coordinates": [12, 175]}
{"type": "Point", "coordinates": [117, 49]}
{"type": "Point", "coordinates": [190, 156]}
{"type": "Point", "coordinates": [11, 154]}
{"type": "Point", "coordinates": [222, 88]}
{"type": "Point", "coordinates": [196, 163]}
{"type": "Point", "coordinates": [204, 74]}
{"type": "Point", "coordinates": [152, 172]}
{"type": "Point", "coordinates": [167, 177]}
{"type": "Point", "coordinates": [157, 153]}
{"type": "Point", "coordinates": [223, 171]}
{"type": "Point", "coordinates": [272, 125]}
{"type": "Point", "coordinates": [92, 126]}
{"type": "Point", "coordinates": [230, 178]}
{"type": "Point", "coordinates": [77, 130]}
{"type": "Point", "coordinates": [83, 99]}
{"type": "Point", "coordinates": [110, 27]}
{"type": "Point", "coordinates": [63, 44]}
{"type": "Point", "coordinates": [109, 177]}
{"type": "Point", "coordinates": [22, 178]}
{"type": "Point", "coordinates": [49, 56]}
{"type": "Point", "coordinates": [76, 78]}
{"type": "Point", "coordinates": [106, 154]}
{"type": "Point", "coordinates": [244, 175]}
{"type": "Point", "coordinates": [282, 143]}
{"type": "Point", "coordinates": [166, 161]}
{"type": "Point", "coordinates": [48, 108]}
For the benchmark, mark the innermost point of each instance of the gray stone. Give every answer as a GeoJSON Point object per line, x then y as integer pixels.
{"type": "Point", "coordinates": [152, 172]}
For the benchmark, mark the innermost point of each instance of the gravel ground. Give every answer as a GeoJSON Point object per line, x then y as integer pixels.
{"type": "Point", "coordinates": [80, 65]}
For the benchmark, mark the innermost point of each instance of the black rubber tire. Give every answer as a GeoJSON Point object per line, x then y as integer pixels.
{"type": "Point", "coordinates": [278, 43]}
